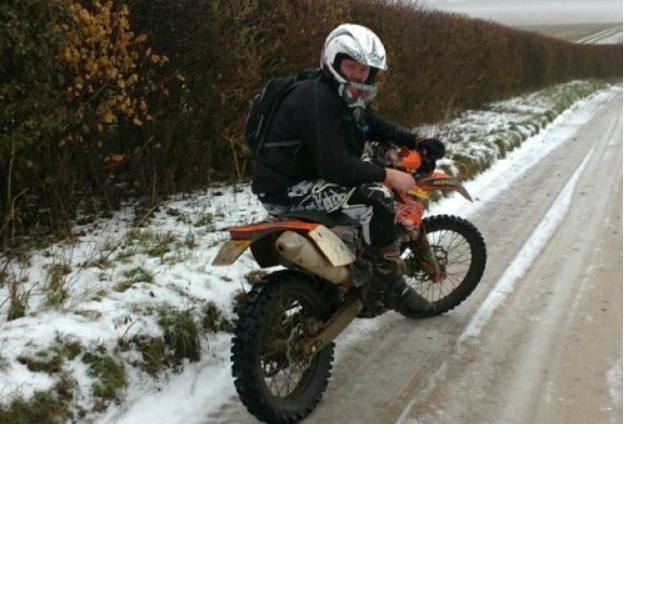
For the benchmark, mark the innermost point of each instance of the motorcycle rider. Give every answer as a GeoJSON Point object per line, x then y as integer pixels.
{"type": "Point", "coordinates": [331, 118]}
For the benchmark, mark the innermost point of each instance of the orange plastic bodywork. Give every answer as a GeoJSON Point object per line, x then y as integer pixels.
{"type": "Point", "coordinates": [251, 231]}
{"type": "Point", "coordinates": [438, 181]}
{"type": "Point", "coordinates": [260, 237]}
{"type": "Point", "coordinates": [411, 160]}
{"type": "Point", "coordinates": [409, 213]}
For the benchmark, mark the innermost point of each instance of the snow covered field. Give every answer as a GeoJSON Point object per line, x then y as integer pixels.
{"type": "Point", "coordinates": [535, 12]}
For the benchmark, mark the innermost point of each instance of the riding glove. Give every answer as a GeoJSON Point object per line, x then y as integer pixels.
{"type": "Point", "coordinates": [433, 148]}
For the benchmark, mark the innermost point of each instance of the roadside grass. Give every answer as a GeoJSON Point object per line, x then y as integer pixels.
{"type": "Point", "coordinates": [476, 140]}
{"type": "Point", "coordinates": [158, 273]}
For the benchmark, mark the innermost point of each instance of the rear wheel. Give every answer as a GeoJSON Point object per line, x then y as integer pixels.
{"type": "Point", "coordinates": [274, 380]}
{"type": "Point", "coordinates": [460, 252]}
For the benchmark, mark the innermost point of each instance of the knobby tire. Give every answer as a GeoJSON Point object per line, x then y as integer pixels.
{"type": "Point", "coordinates": [275, 384]}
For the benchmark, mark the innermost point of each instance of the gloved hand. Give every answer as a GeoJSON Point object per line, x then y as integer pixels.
{"type": "Point", "coordinates": [428, 165]}
{"type": "Point", "coordinates": [432, 148]}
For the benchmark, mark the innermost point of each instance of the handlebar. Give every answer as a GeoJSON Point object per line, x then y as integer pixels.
{"type": "Point", "coordinates": [422, 169]}
{"type": "Point", "coordinates": [409, 160]}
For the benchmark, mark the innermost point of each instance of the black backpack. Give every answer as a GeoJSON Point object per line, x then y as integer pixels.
{"type": "Point", "coordinates": [264, 105]}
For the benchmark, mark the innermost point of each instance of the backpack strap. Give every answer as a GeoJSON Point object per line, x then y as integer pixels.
{"type": "Point", "coordinates": [293, 143]}
{"type": "Point", "coordinates": [310, 74]}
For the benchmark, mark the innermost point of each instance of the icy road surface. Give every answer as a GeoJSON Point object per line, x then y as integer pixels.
{"type": "Point", "coordinates": [540, 340]}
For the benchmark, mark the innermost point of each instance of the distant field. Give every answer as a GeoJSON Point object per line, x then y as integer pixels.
{"type": "Point", "coordinates": [587, 33]}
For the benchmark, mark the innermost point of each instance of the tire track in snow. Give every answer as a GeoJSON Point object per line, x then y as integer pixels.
{"type": "Point", "coordinates": [526, 256]}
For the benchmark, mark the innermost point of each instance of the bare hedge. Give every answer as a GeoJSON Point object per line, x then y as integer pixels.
{"type": "Point", "coordinates": [193, 65]}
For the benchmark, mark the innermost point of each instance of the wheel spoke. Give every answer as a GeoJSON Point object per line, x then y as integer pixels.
{"type": "Point", "coordinates": [460, 253]}
{"type": "Point", "coordinates": [283, 367]}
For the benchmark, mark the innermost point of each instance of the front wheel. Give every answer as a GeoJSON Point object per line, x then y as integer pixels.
{"type": "Point", "coordinates": [460, 253]}
{"type": "Point", "coordinates": [275, 381]}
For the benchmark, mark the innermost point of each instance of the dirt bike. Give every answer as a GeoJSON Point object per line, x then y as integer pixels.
{"type": "Point", "coordinates": [283, 344]}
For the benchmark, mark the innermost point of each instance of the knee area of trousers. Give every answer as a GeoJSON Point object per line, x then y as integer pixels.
{"type": "Point", "coordinates": [377, 195]}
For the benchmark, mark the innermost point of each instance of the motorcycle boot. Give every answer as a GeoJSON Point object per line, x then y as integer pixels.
{"type": "Point", "coordinates": [398, 294]}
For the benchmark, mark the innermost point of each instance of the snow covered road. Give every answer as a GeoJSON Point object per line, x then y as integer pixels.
{"type": "Point", "coordinates": [540, 341]}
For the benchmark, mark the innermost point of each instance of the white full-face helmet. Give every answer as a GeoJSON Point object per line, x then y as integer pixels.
{"type": "Point", "coordinates": [358, 43]}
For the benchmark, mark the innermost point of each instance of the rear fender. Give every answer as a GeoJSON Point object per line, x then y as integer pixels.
{"type": "Point", "coordinates": [253, 232]}
{"type": "Point", "coordinates": [260, 237]}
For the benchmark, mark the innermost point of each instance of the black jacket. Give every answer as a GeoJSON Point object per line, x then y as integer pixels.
{"type": "Point", "coordinates": [332, 142]}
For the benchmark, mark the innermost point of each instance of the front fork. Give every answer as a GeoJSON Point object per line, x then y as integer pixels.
{"type": "Point", "coordinates": [409, 214]}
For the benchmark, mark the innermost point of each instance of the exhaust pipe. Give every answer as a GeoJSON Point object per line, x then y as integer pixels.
{"type": "Point", "coordinates": [302, 252]}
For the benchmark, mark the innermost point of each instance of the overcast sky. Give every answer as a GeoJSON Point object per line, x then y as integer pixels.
{"type": "Point", "coordinates": [535, 12]}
